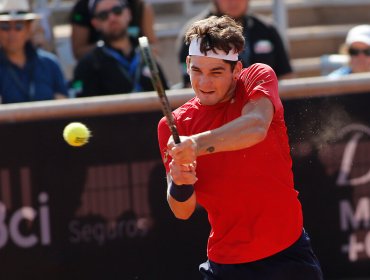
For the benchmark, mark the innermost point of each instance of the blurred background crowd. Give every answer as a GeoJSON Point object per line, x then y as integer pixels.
{"type": "Point", "coordinates": [52, 49]}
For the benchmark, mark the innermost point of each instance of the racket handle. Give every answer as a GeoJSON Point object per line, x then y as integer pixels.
{"type": "Point", "coordinates": [175, 136]}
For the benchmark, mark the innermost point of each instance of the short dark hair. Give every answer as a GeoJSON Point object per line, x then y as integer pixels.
{"type": "Point", "coordinates": [222, 33]}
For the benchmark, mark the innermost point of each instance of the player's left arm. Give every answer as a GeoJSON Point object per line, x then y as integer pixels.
{"type": "Point", "coordinates": [245, 131]}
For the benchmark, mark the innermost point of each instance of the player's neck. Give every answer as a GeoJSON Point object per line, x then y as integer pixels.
{"type": "Point", "coordinates": [230, 94]}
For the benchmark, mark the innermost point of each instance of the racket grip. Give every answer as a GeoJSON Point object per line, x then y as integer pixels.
{"type": "Point", "coordinates": [176, 136]}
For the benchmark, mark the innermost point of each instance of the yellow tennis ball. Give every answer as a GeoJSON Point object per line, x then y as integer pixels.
{"type": "Point", "coordinates": [76, 134]}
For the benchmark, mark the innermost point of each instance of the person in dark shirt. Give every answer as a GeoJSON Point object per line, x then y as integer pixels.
{"type": "Point", "coordinates": [263, 42]}
{"type": "Point", "coordinates": [85, 36]}
{"type": "Point", "coordinates": [115, 65]}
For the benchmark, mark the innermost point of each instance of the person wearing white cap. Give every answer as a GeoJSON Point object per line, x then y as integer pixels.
{"type": "Point", "coordinates": [234, 160]}
{"type": "Point", "coordinates": [26, 73]}
{"type": "Point", "coordinates": [358, 48]}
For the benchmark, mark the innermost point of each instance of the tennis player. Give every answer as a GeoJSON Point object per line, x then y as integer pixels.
{"type": "Point", "coordinates": [234, 160]}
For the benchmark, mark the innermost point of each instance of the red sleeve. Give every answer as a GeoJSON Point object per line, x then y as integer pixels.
{"type": "Point", "coordinates": [260, 80]}
{"type": "Point", "coordinates": [164, 134]}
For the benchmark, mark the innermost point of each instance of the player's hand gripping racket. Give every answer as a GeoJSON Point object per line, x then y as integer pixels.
{"type": "Point", "coordinates": [158, 86]}
{"type": "Point", "coordinates": [185, 191]}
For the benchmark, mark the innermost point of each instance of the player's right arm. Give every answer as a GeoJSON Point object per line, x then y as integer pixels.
{"type": "Point", "coordinates": [180, 178]}
{"type": "Point", "coordinates": [181, 210]}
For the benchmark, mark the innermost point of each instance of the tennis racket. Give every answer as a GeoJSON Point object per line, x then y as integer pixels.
{"type": "Point", "coordinates": [158, 86]}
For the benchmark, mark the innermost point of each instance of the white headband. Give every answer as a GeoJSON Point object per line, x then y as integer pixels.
{"type": "Point", "coordinates": [194, 49]}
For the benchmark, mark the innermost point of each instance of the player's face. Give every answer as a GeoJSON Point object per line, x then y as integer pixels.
{"type": "Point", "coordinates": [111, 19]}
{"type": "Point", "coordinates": [212, 79]}
{"type": "Point", "coordinates": [359, 57]}
{"type": "Point", "coordinates": [233, 8]}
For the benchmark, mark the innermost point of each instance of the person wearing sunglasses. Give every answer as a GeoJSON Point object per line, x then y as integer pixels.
{"type": "Point", "coordinates": [85, 36]}
{"type": "Point", "coordinates": [26, 73]}
{"type": "Point", "coordinates": [115, 65]}
{"type": "Point", "coordinates": [263, 42]}
{"type": "Point", "coordinates": [357, 46]}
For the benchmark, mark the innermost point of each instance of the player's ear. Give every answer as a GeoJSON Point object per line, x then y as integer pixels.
{"type": "Point", "coordinates": [237, 69]}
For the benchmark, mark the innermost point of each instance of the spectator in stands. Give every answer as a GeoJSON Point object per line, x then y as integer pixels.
{"type": "Point", "coordinates": [357, 46]}
{"type": "Point", "coordinates": [115, 65]}
{"type": "Point", "coordinates": [84, 35]}
{"type": "Point", "coordinates": [26, 74]}
{"type": "Point", "coordinates": [264, 43]}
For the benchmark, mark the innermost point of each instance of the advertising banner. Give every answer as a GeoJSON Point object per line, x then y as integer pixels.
{"type": "Point", "coordinates": [330, 145]}
{"type": "Point", "coordinates": [100, 211]}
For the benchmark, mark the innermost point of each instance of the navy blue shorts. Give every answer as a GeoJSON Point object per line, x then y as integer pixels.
{"type": "Point", "coordinates": [296, 262]}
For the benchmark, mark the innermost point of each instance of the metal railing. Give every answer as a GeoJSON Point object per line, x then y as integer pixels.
{"type": "Point", "coordinates": [148, 101]}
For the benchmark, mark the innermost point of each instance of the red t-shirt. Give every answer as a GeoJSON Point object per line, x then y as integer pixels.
{"type": "Point", "coordinates": [249, 194]}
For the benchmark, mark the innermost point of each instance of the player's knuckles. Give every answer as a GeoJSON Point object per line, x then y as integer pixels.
{"type": "Point", "coordinates": [174, 167]}
{"type": "Point", "coordinates": [178, 161]}
{"type": "Point", "coordinates": [177, 157]}
{"type": "Point", "coordinates": [172, 150]}
{"type": "Point", "coordinates": [184, 168]}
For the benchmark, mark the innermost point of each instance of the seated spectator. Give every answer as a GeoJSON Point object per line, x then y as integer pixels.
{"type": "Point", "coordinates": [115, 64]}
{"type": "Point", "coordinates": [263, 42]}
{"type": "Point", "coordinates": [357, 46]}
{"type": "Point", "coordinates": [84, 35]}
{"type": "Point", "coordinates": [26, 74]}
